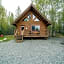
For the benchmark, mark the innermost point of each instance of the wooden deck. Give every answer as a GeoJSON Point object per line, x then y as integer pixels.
{"type": "Point", "coordinates": [19, 37]}
{"type": "Point", "coordinates": [31, 36]}
{"type": "Point", "coordinates": [35, 36]}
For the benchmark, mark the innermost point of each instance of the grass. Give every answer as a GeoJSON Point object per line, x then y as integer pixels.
{"type": "Point", "coordinates": [59, 35]}
{"type": "Point", "coordinates": [1, 38]}
{"type": "Point", "coordinates": [9, 37]}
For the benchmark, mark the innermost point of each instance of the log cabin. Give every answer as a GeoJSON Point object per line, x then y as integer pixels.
{"type": "Point", "coordinates": [33, 22]}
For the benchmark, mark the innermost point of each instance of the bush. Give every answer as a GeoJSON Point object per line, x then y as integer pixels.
{"type": "Point", "coordinates": [1, 32]}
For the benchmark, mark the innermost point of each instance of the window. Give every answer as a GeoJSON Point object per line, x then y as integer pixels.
{"type": "Point", "coordinates": [35, 18]}
{"type": "Point", "coordinates": [27, 18]}
{"type": "Point", "coordinates": [22, 27]}
{"type": "Point", "coordinates": [35, 28]}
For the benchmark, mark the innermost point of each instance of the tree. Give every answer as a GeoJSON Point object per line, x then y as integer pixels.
{"type": "Point", "coordinates": [10, 18]}
{"type": "Point", "coordinates": [50, 8]}
{"type": "Point", "coordinates": [0, 2]}
{"type": "Point", "coordinates": [62, 18]}
{"type": "Point", "coordinates": [41, 5]}
{"type": "Point", "coordinates": [10, 28]}
{"type": "Point", "coordinates": [18, 11]}
{"type": "Point", "coordinates": [3, 19]}
{"type": "Point", "coordinates": [6, 21]}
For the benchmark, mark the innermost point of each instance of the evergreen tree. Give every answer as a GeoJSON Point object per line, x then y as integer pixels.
{"type": "Point", "coordinates": [0, 2]}
{"type": "Point", "coordinates": [3, 19]}
{"type": "Point", "coordinates": [18, 11]}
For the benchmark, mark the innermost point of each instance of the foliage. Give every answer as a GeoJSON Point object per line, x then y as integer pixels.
{"type": "Point", "coordinates": [8, 38]}
{"type": "Point", "coordinates": [3, 19]}
{"type": "Point", "coordinates": [6, 21]}
{"type": "Point", "coordinates": [0, 2]}
{"type": "Point", "coordinates": [54, 10]}
{"type": "Point", "coordinates": [18, 11]}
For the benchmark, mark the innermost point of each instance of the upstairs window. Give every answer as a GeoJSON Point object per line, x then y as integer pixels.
{"type": "Point", "coordinates": [27, 18]}
{"type": "Point", "coordinates": [35, 18]}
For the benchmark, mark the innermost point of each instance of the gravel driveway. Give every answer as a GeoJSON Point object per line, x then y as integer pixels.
{"type": "Point", "coordinates": [32, 52]}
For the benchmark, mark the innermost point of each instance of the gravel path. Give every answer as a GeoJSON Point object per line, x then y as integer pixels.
{"type": "Point", "coordinates": [32, 52]}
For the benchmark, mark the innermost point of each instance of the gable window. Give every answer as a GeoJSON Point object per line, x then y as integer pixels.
{"type": "Point", "coordinates": [35, 28]}
{"type": "Point", "coordinates": [35, 18]}
{"type": "Point", "coordinates": [27, 18]}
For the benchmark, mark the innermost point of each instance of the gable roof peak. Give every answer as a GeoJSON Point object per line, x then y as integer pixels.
{"type": "Point", "coordinates": [33, 8]}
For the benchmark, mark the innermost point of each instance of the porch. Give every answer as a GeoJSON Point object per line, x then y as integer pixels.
{"type": "Point", "coordinates": [34, 35]}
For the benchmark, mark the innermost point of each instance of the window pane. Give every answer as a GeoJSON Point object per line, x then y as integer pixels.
{"type": "Point", "coordinates": [29, 16]}
{"type": "Point", "coordinates": [33, 28]}
{"type": "Point", "coordinates": [26, 19]}
{"type": "Point", "coordinates": [36, 19]}
{"type": "Point", "coordinates": [37, 28]}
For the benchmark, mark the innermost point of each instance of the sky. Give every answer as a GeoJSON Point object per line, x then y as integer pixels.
{"type": "Point", "coordinates": [11, 5]}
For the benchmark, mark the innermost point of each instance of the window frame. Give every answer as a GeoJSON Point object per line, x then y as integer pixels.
{"type": "Point", "coordinates": [35, 29]}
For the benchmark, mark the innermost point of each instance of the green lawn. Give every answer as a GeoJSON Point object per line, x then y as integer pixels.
{"type": "Point", "coordinates": [1, 38]}
{"type": "Point", "coordinates": [6, 38]}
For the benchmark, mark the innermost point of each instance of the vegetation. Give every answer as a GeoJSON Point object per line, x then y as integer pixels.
{"type": "Point", "coordinates": [6, 38]}
{"type": "Point", "coordinates": [6, 20]}
{"type": "Point", "coordinates": [18, 11]}
{"type": "Point", "coordinates": [54, 10]}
